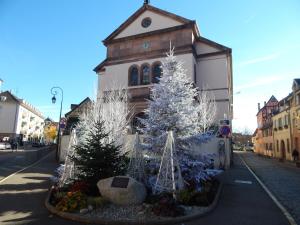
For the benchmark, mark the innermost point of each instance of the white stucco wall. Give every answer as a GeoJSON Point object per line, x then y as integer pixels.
{"type": "Point", "coordinates": [158, 22]}
{"type": "Point", "coordinates": [212, 147]}
{"type": "Point", "coordinates": [212, 73]}
{"type": "Point", "coordinates": [202, 48]}
{"type": "Point", "coordinates": [8, 112]}
{"type": "Point", "coordinates": [117, 75]}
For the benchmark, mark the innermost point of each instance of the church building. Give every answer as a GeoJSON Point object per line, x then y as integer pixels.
{"type": "Point", "coordinates": [137, 47]}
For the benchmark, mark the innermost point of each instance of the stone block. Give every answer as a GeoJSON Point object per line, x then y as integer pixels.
{"type": "Point", "coordinates": [122, 190]}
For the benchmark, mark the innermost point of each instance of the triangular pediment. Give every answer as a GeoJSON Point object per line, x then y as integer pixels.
{"type": "Point", "coordinates": [160, 19]}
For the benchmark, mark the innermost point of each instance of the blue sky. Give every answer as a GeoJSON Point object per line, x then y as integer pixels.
{"type": "Point", "coordinates": [58, 43]}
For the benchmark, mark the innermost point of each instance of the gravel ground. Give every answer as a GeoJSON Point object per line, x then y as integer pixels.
{"type": "Point", "coordinates": [136, 213]}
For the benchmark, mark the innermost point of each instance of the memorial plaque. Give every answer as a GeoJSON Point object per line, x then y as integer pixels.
{"type": "Point", "coordinates": [120, 182]}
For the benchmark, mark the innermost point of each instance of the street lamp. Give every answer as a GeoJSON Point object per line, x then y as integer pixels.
{"type": "Point", "coordinates": [54, 92]}
{"type": "Point", "coordinates": [1, 82]}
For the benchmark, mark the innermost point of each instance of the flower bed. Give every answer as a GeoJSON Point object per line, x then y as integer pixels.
{"type": "Point", "coordinates": [75, 205]}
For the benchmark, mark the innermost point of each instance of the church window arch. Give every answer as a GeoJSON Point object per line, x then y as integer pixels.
{"type": "Point", "coordinates": [133, 76]}
{"type": "Point", "coordinates": [156, 72]}
{"type": "Point", "coordinates": [145, 74]}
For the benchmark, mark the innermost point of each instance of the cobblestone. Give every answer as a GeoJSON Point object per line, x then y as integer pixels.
{"type": "Point", "coordinates": [282, 179]}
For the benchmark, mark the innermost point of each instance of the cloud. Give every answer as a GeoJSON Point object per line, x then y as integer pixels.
{"type": "Point", "coordinates": [260, 59]}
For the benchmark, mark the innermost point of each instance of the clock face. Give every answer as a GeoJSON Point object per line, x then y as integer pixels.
{"type": "Point", "coordinates": [146, 45]}
{"type": "Point", "coordinates": [146, 22]}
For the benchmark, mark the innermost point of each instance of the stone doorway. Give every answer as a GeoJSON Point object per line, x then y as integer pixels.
{"type": "Point", "coordinates": [283, 153]}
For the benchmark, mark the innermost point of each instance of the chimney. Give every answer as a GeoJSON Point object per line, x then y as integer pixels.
{"type": "Point", "coordinates": [73, 106]}
{"type": "Point", "coordinates": [265, 103]}
{"type": "Point", "coordinates": [146, 2]}
{"type": "Point", "coordinates": [258, 106]}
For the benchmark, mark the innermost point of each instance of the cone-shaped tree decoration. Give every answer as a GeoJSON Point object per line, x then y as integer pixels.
{"type": "Point", "coordinates": [136, 164]}
{"type": "Point", "coordinates": [169, 177]}
{"type": "Point", "coordinates": [69, 167]}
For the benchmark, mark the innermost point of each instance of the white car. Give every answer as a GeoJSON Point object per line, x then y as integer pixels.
{"type": "Point", "coordinates": [5, 145]}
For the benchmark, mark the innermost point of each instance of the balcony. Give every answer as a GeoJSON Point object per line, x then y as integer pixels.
{"type": "Point", "coordinates": [139, 94]}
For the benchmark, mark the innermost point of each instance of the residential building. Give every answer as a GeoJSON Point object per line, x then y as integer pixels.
{"type": "Point", "coordinates": [295, 115]}
{"type": "Point", "coordinates": [264, 135]}
{"type": "Point", "coordinates": [285, 134]}
{"type": "Point", "coordinates": [19, 119]}
{"type": "Point", "coordinates": [282, 130]}
{"type": "Point", "coordinates": [76, 111]}
{"type": "Point", "coordinates": [136, 49]}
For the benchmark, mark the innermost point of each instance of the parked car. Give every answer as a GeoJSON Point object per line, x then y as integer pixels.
{"type": "Point", "coordinates": [249, 148]}
{"type": "Point", "coordinates": [5, 145]}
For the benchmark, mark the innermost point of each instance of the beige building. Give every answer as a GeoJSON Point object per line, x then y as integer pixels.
{"type": "Point", "coordinates": [19, 119]}
{"type": "Point", "coordinates": [137, 47]}
{"type": "Point", "coordinates": [282, 130]}
{"type": "Point", "coordinates": [280, 136]}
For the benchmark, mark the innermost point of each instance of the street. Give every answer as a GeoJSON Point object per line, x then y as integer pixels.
{"type": "Point", "coordinates": [283, 180]}
{"type": "Point", "coordinates": [240, 203]}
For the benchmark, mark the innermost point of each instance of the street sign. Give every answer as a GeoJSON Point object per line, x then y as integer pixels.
{"type": "Point", "coordinates": [225, 130]}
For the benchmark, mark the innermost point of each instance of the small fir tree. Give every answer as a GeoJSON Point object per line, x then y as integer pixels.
{"type": "Point", "coordinates": [98, 158]}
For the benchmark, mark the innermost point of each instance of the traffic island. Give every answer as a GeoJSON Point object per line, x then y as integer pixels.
{"type": "Point", "coordinates": [153, 211]}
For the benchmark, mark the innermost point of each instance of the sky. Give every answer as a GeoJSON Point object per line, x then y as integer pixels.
{"type": "Point", "coordinates": [58, 43]}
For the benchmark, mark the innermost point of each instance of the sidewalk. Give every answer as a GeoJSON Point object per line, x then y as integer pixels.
{"type": "Point", "coordinates": [242, 203]}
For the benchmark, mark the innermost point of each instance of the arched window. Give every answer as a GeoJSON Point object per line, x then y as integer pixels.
{"type": "Point", "coordinates": [145, 77]}
{"type": "Point", "coordinates": [133, 76]}
{"type": "Point", "coordinates": [156, 72]}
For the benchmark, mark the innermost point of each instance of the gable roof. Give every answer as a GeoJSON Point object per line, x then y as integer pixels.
{"type": "Point", "coordinates": [272, 99]}
{"type": "Point", "coordinates": [9, 94]}
{"type": "Point", "coordinates": [138, 13]}
{"type": "Point", "coordinates": [78, 106]}
{"type": "Point", "coordinates": [297, 81]}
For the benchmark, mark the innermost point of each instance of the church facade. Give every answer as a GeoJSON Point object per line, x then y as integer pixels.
{"type": "Point", "coordinates": [137, 47]}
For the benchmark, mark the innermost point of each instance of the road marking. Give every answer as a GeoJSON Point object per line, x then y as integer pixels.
{"type": "Point", "coordinates": [275, 200]}
{"type": "Point", "coordinates": [21, 170]}
{"type": "Point", "coordinates": [243, 181]}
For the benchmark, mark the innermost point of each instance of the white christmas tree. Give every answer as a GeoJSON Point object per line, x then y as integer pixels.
{"type": "Point", "coordinates": [169, 177]}
{"type": "Point", "coordinates": [136, 164]}
{"type": "Point", "coordinates": [111, 106]}
{"type": "Point", "coordinates": [172, 105]}
{"type": "Point", "coordinates": [207, 109]}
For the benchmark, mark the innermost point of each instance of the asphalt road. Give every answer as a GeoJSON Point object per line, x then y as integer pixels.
{"type": "Point", "coordinates": [282, 179]}
{"type": "Point", "coordinates": [23, 195]}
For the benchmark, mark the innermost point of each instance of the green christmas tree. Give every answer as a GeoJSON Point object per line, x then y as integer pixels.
{"type": "Point", "coordinates": [96, 158]}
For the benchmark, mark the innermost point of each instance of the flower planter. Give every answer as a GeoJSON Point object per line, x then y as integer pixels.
{"type": "Point", "coordinates": [85, 218]}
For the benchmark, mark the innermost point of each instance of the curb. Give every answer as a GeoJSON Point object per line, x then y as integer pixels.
{"type": "Point", "coordinates": [79, 218]}
{"type": "Point", "coordinates": [285, 212]}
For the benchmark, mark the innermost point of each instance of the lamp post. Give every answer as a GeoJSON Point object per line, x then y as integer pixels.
{"type": "Point", "coordinates": [54, 92]}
